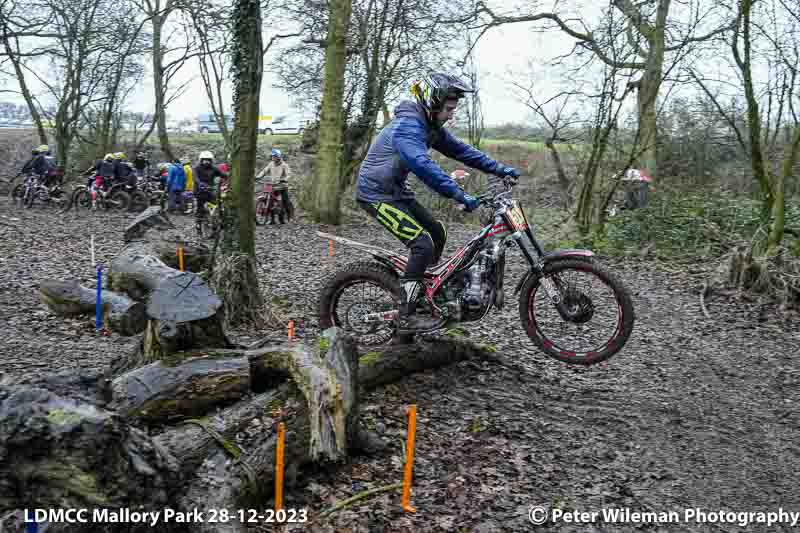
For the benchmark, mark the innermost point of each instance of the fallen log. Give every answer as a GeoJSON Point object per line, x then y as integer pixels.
{"type": "Point", "coordinates": [161, 392]}
{"type": "Point", "coordinates": [69, 454]}
{"type": "Point", "coordinates": [120, 313]}
{"type": "Point", "coordinates": [320, 414]}
{"type": "Point", "coordinates": [56, 452]}
{"type": "Point", "coordinates": [392, 363]}
{"type": "Point", "coordinates": [152, 217]}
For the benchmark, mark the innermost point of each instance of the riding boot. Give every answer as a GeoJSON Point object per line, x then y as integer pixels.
{"type": "Point", "coordinates": [408, 321]}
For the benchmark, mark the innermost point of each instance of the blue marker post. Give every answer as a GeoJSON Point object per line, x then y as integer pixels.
{"type": "Point", "coordinates": [98, 319]}
{"type": "Point", "coordinates": [98, 304]}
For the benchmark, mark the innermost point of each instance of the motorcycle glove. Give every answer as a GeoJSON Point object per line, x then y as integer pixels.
{"type": "Point", "coordinates": [506, 172]}
{"type": "Point", "coordinates": [470, 203]}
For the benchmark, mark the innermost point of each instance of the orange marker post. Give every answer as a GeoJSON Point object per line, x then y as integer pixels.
{"type": "Point", "coordinates": [290, 330]}
{"type": "Point", "coordinates": [412, 431]}
{"type": "Point", "coordinates": [279, 467]}
{"type": "Point", "coordinates": [330, 248]}
{"type": "Point", "coordinates": [180, 257]}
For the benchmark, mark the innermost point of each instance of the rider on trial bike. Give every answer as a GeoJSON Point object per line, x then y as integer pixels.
{"type": "Point", "coordinates": [402, 147]}
{"type": "Point", "coordinates": [277, 172]}
{"type": "Point", "coordinates": [204, 176]}
{"type": "Point", "coordinates": [101, 176]}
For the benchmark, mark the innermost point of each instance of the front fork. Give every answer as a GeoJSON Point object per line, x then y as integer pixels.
{"type": "Point", "coordinates": [537, 269]}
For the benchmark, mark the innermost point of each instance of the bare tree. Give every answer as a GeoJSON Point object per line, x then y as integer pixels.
{"type": "Point", "coordinates": [646, 29]}
{"type": "Point", "coordinates": [760, 41]}
{"type": "Point", "coordinates": [17, 23]}
{"type": "Point", "coordinates": [170, 52]}
{"type": "Point", "coordinates": [76, 60]}
{"type": "Point", "coordinates": [389, 43]}
{"type": "Point", "coordinates": [473, 111]}
{"type": "Point", "coordinates": [212, 27]}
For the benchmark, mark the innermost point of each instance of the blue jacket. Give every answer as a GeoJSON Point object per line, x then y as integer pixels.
{"type": "Point", "coordinates": [402, 147]}
{"type": "Point", "coordinates": [176, 179]}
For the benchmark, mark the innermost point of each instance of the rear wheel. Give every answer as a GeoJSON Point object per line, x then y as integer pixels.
{"type": "Point", "coordinates": [139, 201]}
{"type": "Point", "coordinates": [120, 200]}
{"type": "Point", "coordinates": [357, 290]}
{"type": "Point", "coordinates": [594, 321]}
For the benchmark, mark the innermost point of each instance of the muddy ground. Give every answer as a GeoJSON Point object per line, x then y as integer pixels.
{"type": "Point", "coordinates": [693, 413]}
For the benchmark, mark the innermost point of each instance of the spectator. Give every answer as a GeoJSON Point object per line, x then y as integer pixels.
{"type": "Point", "coordinates": [176, 183]}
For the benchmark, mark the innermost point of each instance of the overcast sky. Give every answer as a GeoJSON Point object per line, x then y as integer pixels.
{"type": "Point", "coordinates": [501, 50]}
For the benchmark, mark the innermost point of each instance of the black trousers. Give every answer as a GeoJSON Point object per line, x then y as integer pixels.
{"type": "Point", "coordinates": [414, 226]}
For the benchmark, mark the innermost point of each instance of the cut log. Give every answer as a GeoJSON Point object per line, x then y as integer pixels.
{"type": "Point", "coordinates": [137, 270]}
{"type": "Point", "coordinates": [67, 454]}
{"type": "Point", "coordinates": [184, 313]}
{"type": "Point", "coordinates": [196, 256]}
{"type": "Point", "coordinates": [152, 217]}
{"type": "Point", "coordinates": [120, 313]}
{"type": "Point", "coordinates": [162, 392]}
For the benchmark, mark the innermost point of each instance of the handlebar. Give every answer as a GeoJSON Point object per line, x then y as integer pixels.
{"type": "Point", "coordinates": [497, 185]}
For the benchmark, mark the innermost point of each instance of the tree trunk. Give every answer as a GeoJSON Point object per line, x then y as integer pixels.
{"type": "Point", "coordinates": [165, 392]}
{"type": "Point", "coordinates": [160, 115]}
{"type": "Point", "coordinates": [26, 93]}
{"type": "Point", "coordinates": [779, 187]}
{"type": "Point", "coordinates": [760, 168]}
{"type": "Point", "coordinates": [648, 88]}
{"type": "Point", "coordinates": [648, 123]}
{"type": "Point", "coordinates": [563, 180]}
{"type": "Point", "coordinates": [234, 272]}
{"type": "Point", "coordinates": [328, 166]}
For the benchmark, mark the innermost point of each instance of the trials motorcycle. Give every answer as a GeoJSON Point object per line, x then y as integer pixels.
{"type": "Point", "coordinates": [572, 308]}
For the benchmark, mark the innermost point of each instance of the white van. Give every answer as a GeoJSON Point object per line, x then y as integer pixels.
{"type": "Point", "coordinates": [273, 125]}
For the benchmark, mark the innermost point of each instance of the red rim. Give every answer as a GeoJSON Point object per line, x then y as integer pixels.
{"type": "Point", "coordinates": [550, 345]}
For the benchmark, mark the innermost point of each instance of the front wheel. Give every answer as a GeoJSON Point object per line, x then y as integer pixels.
{"type": "Point", "coordinates": [593, 319]}
{"type": "Point", "coordinates": [262, 212]}
{"type": "Point", "coordinates": [82, 199]}
{"type": "Point", "coordinates": [18, 193]}
{"type": "Point", "coordinates": [360, 289]}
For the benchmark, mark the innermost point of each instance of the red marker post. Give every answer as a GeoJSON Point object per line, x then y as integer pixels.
{"type": "Point", "coordinates": [411, 437]}
{"type": "Point", "coordinates": [279, 453]}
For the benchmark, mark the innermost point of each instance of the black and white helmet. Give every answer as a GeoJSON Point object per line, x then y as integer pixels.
{"type": "Point", "coordinates": [432, 91]}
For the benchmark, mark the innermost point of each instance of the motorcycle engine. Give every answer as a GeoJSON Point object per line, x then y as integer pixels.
{"type": "Point", "coordinates": [467, 294]}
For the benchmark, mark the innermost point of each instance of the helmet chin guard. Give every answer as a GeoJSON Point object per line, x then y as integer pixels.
{"type": "Point", "coordinates": [434, 90]}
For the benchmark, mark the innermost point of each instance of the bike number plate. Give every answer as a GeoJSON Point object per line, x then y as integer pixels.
{"type": "Point", "coordinates": [517, 217]}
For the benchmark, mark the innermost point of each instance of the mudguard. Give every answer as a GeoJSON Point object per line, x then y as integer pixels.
{"type": "Point", "coordinates": [552, 256]}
